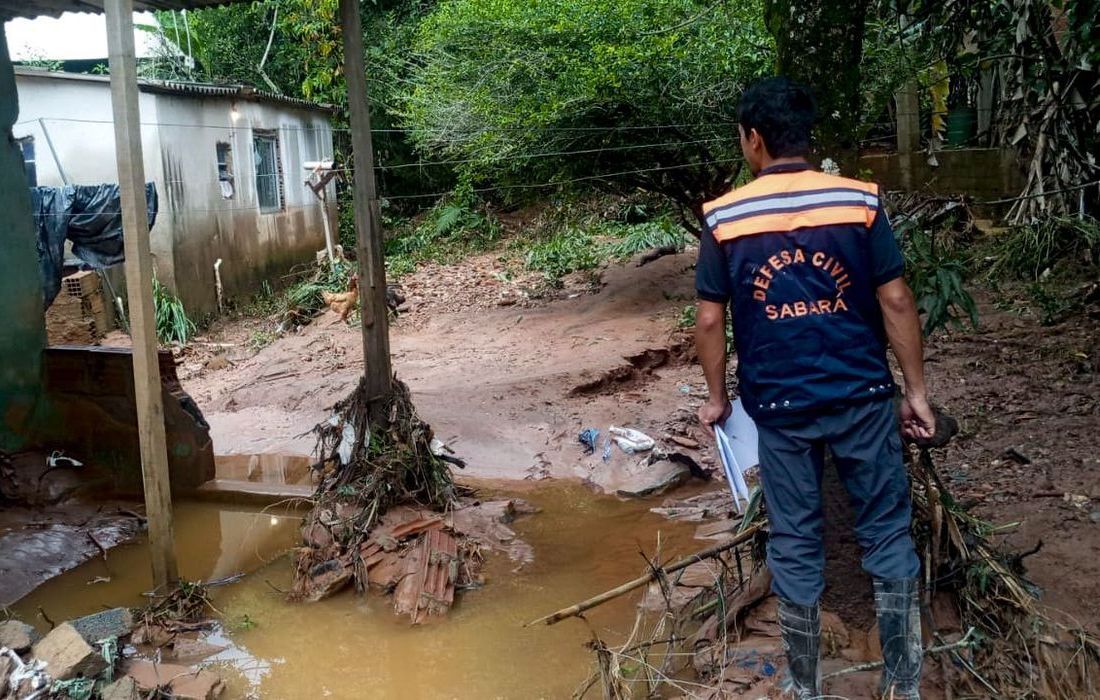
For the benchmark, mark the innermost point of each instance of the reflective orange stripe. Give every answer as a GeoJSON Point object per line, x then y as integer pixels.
{"type": "Point", "coordinates": [752, 208]}
{"type": "Point", "coordinates": [783, 223]}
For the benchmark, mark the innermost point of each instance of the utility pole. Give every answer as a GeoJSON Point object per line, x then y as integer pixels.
{"type": "Point", "coordinates": [139, 287]}
{"type": "Point", "coordinates": [368, 216]}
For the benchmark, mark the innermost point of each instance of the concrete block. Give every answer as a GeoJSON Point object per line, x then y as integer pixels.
{"type": "Point", "coordinates": [116, 622]}
{"type": "Point", "coordinates": [181, 682]}
{"type": "Point", "coordinates": [18, 636]}
{"type": "Point", "coordinates": [124, 688]}
{"type": "Point", "coordinates": [67, 655]}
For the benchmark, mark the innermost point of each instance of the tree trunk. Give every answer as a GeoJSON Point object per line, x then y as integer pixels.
{"type": "Point", "coordinates": [820, 43]}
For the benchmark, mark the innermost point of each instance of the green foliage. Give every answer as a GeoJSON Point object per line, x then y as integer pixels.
{"type": "Point", "coordinates": [1029, 251]}
{"type": "Point", "coordinates": [686, 319]}
{"type": "Point", "coordinates": [261, 338]}
{"type": "Point", "coordinates": [501, 84]}
{"type": "Point", "coordinates": [641, 237]}
{"type": "Point", "coordinates": [1053, 306]}
{"type": "Point", "coordinates": [173, 325]}
{"type": "Point", "coordinates": [306, 296]}
{"type": "Point", "coordinates": [452, 229]}
{"type": "Point", "coordinates": [569, 250]}
{"type": "Point", "coordinates": [936, 277]}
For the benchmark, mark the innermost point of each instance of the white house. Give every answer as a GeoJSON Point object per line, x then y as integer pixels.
{"type": "Point", "coordinates": [228, 163]}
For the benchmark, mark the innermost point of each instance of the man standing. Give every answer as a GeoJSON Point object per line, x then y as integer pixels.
{"type": "Point", "coordinates": [809, 263]}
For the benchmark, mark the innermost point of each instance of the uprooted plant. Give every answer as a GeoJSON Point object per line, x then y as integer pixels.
{"type": "Point", "coordinates": [380, 508]}
{"type": "Point", "coordinates": [1006, 645]}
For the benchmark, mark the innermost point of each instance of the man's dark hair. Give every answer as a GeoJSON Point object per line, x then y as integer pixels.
{"type": "Point", "coordinates": [783, 112]}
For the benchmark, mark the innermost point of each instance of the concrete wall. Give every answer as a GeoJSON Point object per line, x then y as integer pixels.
{"type": "Point", "coordinates": [204, 226]}
{"type": "Point", "coordinates": [983, 173]}
{"type": "Point", "coordinates": [196, 224]}
{"type": "Point", "coordinates": [24, 334]}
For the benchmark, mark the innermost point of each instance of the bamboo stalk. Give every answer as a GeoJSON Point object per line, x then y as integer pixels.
{"type": "Point", "coordinates": [577, 609]}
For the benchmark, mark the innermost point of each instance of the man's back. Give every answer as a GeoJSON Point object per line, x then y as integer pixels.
{"type": "Point", "coordinates": [799, 254]}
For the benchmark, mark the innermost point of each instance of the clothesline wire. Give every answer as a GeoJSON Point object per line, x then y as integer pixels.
{"type": "Point", "coordinates": [481, 190]}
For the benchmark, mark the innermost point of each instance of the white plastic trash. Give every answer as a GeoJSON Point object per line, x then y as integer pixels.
{"type": "Point", "coordinates": [631, 441]}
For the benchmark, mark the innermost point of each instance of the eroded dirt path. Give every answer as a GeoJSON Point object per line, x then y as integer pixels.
{"type": "Point", "coordinates": [497, 384]}
{"type": "Point", "coordinates": [494, 381]}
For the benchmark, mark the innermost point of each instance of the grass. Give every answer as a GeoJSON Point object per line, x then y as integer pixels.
{"type": "Point", "coordinates": [449, 231]}
{"type": "Point", "coordinates": [173, 325]}
{"type": "Point", "coordinates": [567, 251]}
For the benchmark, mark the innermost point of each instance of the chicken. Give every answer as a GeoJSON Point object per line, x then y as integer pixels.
{"type": "Point", "coordinates": [343, 303]}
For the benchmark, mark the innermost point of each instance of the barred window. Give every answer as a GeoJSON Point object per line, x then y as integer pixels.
{"type": "Point", "coordinates": [269, 173]}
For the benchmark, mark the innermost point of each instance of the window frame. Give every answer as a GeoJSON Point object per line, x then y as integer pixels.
{"type": "Point", "coordinates": [223, 157]}
{"type": "Point", "coordinates": [270, 139]}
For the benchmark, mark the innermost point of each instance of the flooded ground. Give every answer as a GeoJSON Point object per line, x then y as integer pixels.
{"type": "Point", "coordinates": [352, 647]}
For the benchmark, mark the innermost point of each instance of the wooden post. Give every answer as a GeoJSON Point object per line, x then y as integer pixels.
{"type": "Point", "coordinates": [908, 113]}
{"type": "Point", "coordinates": [139, 288]}
{"type": "Point", "coordinates": [368, 218]}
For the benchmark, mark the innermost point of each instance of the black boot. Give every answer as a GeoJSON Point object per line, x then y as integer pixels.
{"type": "Point", "coordinates": [801, 628]}
{"type": "Point", "coordinates": [898, 608]}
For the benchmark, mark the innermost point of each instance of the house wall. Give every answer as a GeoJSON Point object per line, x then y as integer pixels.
{"type": "Point", "coordinates": [76, 116]}
{"type": "Point", "coordinates": [24, 334]}
{"type": "Point", "coordinates": [253, 245]}
{"type": "Point", "coordinates": [196, 224]}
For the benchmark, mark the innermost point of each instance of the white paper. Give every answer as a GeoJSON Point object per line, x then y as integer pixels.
{"type": "Point", "coordinates": [738, 449]}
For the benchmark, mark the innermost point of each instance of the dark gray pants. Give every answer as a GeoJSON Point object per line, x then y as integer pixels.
{"type": "Point", "coordinates": [866, 448]}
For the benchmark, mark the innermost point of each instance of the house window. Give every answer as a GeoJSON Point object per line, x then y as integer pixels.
{"type": "Point", "coordinates": [26, 145]}
{"type": "Point", "coordinates": [269, 173]}
{"type": "Point", "coordinates": [225, 168]}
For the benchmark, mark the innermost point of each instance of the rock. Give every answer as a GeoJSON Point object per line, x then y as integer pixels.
{"type": "Point", "coordinates": [17, 636]}
{"type": "Point", "coordinates": [1094, 516]}
{"type": "Point", "coordinates": [124, 688]}
{"type": "Point", "coordinates": [685, 442]}
{"type": "Point", "coordinates": [67, 655]}
{"type": "Point", "coordinates": [638, 479]}
{"type": "Point", "coordinates": [116, 622]}
{"type": "Point", "coordinates": [181, 682]}
{"type": "Point", "coordinates": [5, 671]}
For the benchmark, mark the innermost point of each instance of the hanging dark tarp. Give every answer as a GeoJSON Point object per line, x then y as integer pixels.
{"type": "Point", "coordinates": [88, 215]}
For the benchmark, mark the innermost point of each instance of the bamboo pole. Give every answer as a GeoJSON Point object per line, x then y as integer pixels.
{"type": "Point", "coordinates": [139, 288]}
{"type": "Point", "coordinates": [575, 610]}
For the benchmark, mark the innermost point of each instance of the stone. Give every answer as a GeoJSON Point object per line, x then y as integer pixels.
{"type": "Point", "coordinates": [124, 688]}
{"type": "Point", "coordinates": [18, 636]}
{"type": "Point", "coordinates": [182, 682]}
{"type": "Point", "coordinates": [638, 479]}
{"type": "Point", "coordinates": [67, 655]}
{"type": "Point", "coordinates": [116, 622]}
{"type": "Point", "coordinates": [5, 671]}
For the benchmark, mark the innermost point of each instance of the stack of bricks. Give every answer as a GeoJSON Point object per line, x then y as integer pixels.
{"type": "Point", "coordinates": [79, 314]}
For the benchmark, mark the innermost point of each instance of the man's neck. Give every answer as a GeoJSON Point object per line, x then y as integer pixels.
{"type": "Point", "coordinates": [788, 160]}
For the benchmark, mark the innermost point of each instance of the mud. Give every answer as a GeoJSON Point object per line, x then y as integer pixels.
{"type": "Point", "coordinates": [509, 388]}
{"type": "Point", "coordinates": [352, 647]}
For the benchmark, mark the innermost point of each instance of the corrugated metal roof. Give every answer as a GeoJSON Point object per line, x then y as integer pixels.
{"type": "Point", "coordinates": [10, 9]}
{"type": "Point", "coordinates": [175, 87]}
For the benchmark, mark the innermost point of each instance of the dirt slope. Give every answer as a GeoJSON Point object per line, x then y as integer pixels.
{"type": "Point", "coordinates": [496, 383]}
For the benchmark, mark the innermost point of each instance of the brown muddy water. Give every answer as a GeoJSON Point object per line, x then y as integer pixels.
{"type": "Point", "coordinates": [354, 647]}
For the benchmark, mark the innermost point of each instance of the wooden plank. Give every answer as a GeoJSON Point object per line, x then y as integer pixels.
{"type": "Point", "coordinates": [368, 218]}
{"type": "Point", "coordinates": [139, 284]}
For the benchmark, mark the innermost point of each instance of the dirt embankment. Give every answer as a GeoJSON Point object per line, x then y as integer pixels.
{"type": "Point", "coordinates": [508, 385]}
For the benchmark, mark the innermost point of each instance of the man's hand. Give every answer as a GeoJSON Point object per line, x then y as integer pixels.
{"type": "Point", "coordinates": [917, 419]}
{"type": "Point", "coordinates": [713, 412]}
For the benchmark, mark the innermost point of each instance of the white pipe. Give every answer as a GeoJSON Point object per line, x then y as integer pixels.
{"type": "Point", "coordinates": [218, 282]}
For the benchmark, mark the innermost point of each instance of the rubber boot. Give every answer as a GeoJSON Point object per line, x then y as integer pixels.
{"type": "Point", "coordinates": [801, 629]}
{"type": "Point", "coordinates": [898, 608]}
